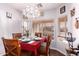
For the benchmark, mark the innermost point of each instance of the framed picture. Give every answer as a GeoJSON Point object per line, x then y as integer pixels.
{"type": "Point", "coordinates": [76, 23]}
{"type": "Point", "coordinates": [62, 9]}
{"type": "Point", "coordinates": [72, 12]}
{"type": "Point", "coordinates": [8, 15]}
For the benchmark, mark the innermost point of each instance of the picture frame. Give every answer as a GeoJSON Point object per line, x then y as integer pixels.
{"type": "Point", "coordinates": [62, 9]}
{"type": "Point", "coordinates": [77, 23]}
{"type": "Point", "coordinates": [8, 15]}
{"type": "Point", "coordinates": [72, 12]}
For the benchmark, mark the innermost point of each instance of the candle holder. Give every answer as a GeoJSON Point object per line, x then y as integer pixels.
{"type": "Point", "coordinates": [70, 40]}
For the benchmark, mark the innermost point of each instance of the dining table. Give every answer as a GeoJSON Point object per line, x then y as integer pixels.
{"type": "Point", "coordinates": [32, 45]}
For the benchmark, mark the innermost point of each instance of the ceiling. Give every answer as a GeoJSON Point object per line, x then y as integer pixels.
{"type": "Point", "coordinates": [21, 6]}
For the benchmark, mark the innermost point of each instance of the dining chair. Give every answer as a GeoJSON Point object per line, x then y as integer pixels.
{"type": "Point", "coordinates": [38, 34]}
{"type": "Point", "coordinates": [12, 47]}
{"type": "Point", "coordinates": [17, 35]}
{"type": "Point", "coordinates": [44, 49]}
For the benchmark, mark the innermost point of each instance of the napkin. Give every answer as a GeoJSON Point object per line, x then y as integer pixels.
{"type": "Point", "coordinates": [31, 42]}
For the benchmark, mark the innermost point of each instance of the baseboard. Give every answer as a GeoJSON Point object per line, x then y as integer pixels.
{"type": "Point", "coordinates": [58, 51]}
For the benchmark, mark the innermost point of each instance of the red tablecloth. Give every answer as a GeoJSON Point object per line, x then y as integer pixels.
{"type": "Point", "coordinates": [32, 46]}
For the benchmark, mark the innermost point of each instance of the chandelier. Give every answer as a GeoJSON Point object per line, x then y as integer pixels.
{"type": "Point", "coordinates": [33, 11]}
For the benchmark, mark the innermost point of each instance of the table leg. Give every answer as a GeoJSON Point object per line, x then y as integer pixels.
{"type": "Point", "coordinates": [36, 52]}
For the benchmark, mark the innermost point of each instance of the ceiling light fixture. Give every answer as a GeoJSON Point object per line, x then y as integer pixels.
{"type": "Point", "coordinates": [33, 11]}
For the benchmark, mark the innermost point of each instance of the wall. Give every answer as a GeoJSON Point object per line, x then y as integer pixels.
{"type": "Point", "coordinates": [8, 26]}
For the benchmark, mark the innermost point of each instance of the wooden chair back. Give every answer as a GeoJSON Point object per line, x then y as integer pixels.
{"type": "Point", "coordinates": [48, 40]}
{"type": "Point", "coordinates": [17, 35]}
{"type": "Point", "coordinates": [48, 44]}
{"type": "Point", "coordinates": [38, 34]}
{"type": "Point", "coordinates": [12, 47]}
